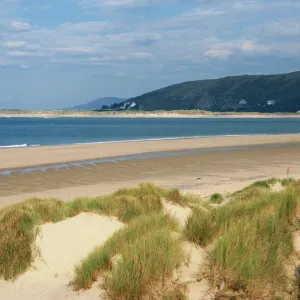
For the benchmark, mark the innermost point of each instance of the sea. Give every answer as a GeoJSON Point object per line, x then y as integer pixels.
{"type": "Point", "coordinates": [34, 132]}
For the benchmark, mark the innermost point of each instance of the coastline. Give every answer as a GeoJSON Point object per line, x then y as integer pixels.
{"type": "Point", "coordinates": [202, 173]}
{"type": "Point", "coordinates": [13, 158]}
{"type": "Point", "coordinates": [142, 114]}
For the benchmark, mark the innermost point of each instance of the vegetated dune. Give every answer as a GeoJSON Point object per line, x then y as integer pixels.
{"type": "Point", "coordinates": [151, 243]}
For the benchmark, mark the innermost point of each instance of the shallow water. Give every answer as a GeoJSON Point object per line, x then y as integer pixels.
{"type": "Point", "coordinates": [23, 132]}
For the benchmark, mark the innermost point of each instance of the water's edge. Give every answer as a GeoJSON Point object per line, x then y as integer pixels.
{"type": "Point", "coordinates": [95, 162]}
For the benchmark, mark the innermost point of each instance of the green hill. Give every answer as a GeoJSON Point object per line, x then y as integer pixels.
{"type": "Point", "coordinates": [250, 93]}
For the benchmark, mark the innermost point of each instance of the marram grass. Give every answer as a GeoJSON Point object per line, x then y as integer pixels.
{"type": "Point", "coordinates": [18, 223]}
{"type": "Point", "coordinates": [250, 237]}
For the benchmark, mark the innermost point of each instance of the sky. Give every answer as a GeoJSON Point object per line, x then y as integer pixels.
{"type": "Point", "coordinates": [59, 53]}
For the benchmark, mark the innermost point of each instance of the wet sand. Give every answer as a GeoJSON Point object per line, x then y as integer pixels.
{"type": "Point", "coordinates": [34, 156]}
{"type": "Point", "coordinates": [202, 172]}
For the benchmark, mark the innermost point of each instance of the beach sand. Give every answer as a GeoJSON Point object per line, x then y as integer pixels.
{"type": "Point", "coordinates": [33, 156]}
{"type": "Point", "coordinates": [199, 172]}
{"type": "Point", "coordinates": [143, 114]}
{"type": "Point", "coordinates": [61, 246]}
{"type": "Point", "coordinates": [202, 172]}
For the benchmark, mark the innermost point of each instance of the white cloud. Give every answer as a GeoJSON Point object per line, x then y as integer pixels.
{"type": "Point", "coordinates": [249, 5]}
{"type": "Point", "coordinates": [89, 27]}
{"type": "Point", "coordinates": [117, 3]}
{"type": "Point", "coordinates": [18, 53]}
{"type": "Point", "coordinates": [190, 37]}
{"type": "Point", "coordinates": [200, 12]}
{"type": "Point", "coordinates": [14, 44]}
{"type": "Point", "coordinates": [24, 66]}
{"type": "Point", "coordinates": [20, 26]}
{"type": "Point", "coordinates": [252, 47]}
{"type": "Point", "coordinates": [218, 53]}
{"type": "Point", "coordinates": [75, 50]}
{"type": "Point", "coordinates": [2, 64]}
{"type": "Point", "coordinates": [142, 55]}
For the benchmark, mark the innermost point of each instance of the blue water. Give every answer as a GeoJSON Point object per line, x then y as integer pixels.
{"type": "Point", "coordinates": [22, 132]}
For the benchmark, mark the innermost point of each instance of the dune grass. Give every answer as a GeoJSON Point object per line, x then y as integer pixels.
{"type": "Point", "coordinates": [252, 237]}
{"type": "Point", "coordinates": [176, 197]}
{"type": "Point", "coordinates": [216, 198]}
{"type": "Point", "coordinates": [287, 181]}
{"type": "Point", "coordinates": [263, 184]}
{"type": "Point", "coordinates": [18, 223]}
{"type": "Point", "coordinates": [199, 227]}
{"type": "Point", "coordinates": [100, 259]}
{"type": "Point", "coordinates": [253, 249]}
{"type": "Point", "coordinates": [17, 228]}
{"type": "Point", "coordinates": [149, 259]}
{"type": "Point", "coordinates": [125, 204]}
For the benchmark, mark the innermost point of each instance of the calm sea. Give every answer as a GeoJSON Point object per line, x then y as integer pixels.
{"type": "Point", "coordinates": [25, 132]}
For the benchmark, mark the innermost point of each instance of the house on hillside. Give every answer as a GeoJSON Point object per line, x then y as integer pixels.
{"type": "Point", "coordinates": [271, 102]}
{"type": "Point", "coordinates": [243, 102]}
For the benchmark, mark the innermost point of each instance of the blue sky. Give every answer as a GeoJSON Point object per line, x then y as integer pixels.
{"type": "Point", "coordinates": [55, 54]}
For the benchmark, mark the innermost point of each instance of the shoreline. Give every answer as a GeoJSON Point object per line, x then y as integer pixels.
{"type": "Point", "coordinates": [24, 146]}
{"type": "Point", "coordinates": [202, 173]}
{"type": "Point", "coordinates": [144, 114]}
{"type": "Point", "coordinates": [16, 158]}
{"type": "Point", "coordinates": [134, 157]}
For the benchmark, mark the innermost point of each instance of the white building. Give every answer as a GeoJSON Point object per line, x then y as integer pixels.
{"type": "Point", "coordinates": [271, 102]}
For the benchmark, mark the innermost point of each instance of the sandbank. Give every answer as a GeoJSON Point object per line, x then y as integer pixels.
{"type": "Point", "coordinates": [203, 173]}
{"type": "Point", "coordinates": [143, 114]}
{"type": "Point", "coordinates": [35, 156]}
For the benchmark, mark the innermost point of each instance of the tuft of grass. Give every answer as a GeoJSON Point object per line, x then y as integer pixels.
{"type": "Point", "coordinates": [216, 198]}
{"type": "Point", "coordinates": [175, 196]}
{"type": "Point", "coordinates": [255, 241]}
{"type": "Point", "coordinates": [151, 258]}
{"type": "Point", "coordinates": [200, 226]}
{"type": "Point", "coordinates": [125, 204]}
{"type": "Point", "coordinates": [288, 181]}
{"type": "Point", "coordinates": [17, 227]}
{"type": "Point", "coordinates": [262, 184]}
{"type": "Point", "coordinates": [100, 259]}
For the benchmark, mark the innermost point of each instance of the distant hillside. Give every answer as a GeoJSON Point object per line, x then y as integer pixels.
{"type": "Point", "coordinates": [249, 93]}
{"type": "Point", "coordinates": [97, 104]}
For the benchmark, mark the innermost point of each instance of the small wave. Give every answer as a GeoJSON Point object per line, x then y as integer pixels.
{"type": "Point", "coordinates": [162, 139]}
{"type": "Point", "coordinates": [143, 140]}
{"type": "Point", "coordinates": [14, 146]}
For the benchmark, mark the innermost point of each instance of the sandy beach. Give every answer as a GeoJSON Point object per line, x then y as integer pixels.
{"type": "Point", "coordinates": [204, 171]}
{"type": "Point", "coordinates": [220, 164]}
{"type": "Point", "coordinates": [33, 156]}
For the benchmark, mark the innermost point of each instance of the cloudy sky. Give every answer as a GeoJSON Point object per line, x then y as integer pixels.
{"type": "Point", "coordinates": [57, 53]}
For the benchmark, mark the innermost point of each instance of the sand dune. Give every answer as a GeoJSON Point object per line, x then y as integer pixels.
{"type": "Point", "coordinates": [62, 246]}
